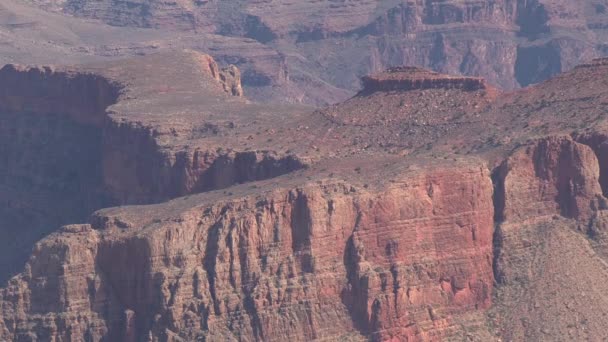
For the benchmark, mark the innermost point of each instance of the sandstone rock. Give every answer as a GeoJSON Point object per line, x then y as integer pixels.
{"type": "Point", "coordinates": [554, 176]}
{"type": "Point", "coordinates": [302, 263]}
{"type": "Point", "coordinates": [335, 231]}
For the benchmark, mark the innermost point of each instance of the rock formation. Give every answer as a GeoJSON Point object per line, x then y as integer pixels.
{"type": "Point", "coordinates": [62, 142]}
{"type": "Point", "coordinates": [555, 176]}
{"type": "Point", "coordinates": [416, 210]}
{"type": "Point", "coordinates": [315, 52]}
{"type": "Point", "coordinates": [410, 78]}
{"type": "Point", "coordinates": [267, 268]}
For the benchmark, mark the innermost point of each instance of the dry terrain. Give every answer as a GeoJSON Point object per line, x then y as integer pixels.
{"type": "Point", "coordinates": [314, 52]}
{"type": "Point", "coordinates": [426, 207]}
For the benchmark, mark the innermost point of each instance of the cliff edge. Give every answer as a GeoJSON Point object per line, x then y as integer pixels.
{"type": "Point", "coordinates": [414, 211]}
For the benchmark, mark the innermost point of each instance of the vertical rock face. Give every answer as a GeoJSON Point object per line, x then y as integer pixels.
{"type": "Point", "coordinates": [50, 155]}
{"type": "Point", "coordinates": [554, 176]}
{"type": "Point", "coordinates": [397, 285]}
{"type": "Point", "coordinates": [43, 91]}
{"type": "Point", "coordinates": [599, 144]}
{"type": "Point", "coordinates": [313, 262]}
{"type": "Point", "coordinates": [64, 156]}
{"type": "Point", "coordinates": [376, 219]}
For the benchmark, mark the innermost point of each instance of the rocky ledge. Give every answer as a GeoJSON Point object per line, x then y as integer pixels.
{"type": "Point", "coordinates": [595, 63]}
{"type": "Point", "coordinates": [328, 227]}
{"type": "Point", "coordinates": [85, 138]}
{"type": "Point", "coordinates": [411, 78]}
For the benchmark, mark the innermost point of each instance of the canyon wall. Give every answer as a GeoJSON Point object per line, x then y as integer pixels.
{"type": "Point", "coordinates": [321, 260]}
{"type": "Point", "coordinates": [63, 156]}
{"type": "Point", "coordinates": [316, 52]}
{"type": "Point", "coordinates": [312, 262]}
{"type": "Point", "coordinates": [51, 155]}
{"type": "Point", "coordinates": [396, 215]}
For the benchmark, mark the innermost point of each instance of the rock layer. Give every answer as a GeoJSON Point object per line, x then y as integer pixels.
{"type": "Point", "coordinates": [312, 262]}
{"type": "Point", "coordinates": [61, 142]}
{"type": "Point", "coordinates": [386, 217]}
{"type": "Point", "coordinates": [320, 49]}
{"type": "Point", "coordinates": [411, 78]}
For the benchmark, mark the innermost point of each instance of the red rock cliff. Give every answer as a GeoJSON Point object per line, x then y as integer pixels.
{"type": "Point", "coordinates": [396, 229]}
{"type": "Point", "coordinates": [554, 176]}
{"type": "Point", "coordinates": [312, 262]}
{"type": "Point", "coordinates": [67, 151]}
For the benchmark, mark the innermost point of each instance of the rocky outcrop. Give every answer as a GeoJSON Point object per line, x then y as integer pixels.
{"type": "Point", "coordinates": [554, 176]}
{"type": "Point", "coordinates": [64, 154]}
{"type": "Point", "coordinates": [312, 262]}
{"type": "Point", "coordinates": [411, 78]}
{"type": "Point", "coordinates": [594, 63]}
{"type": "Point", "coordinates": [229, 77]}
{"type": "Point", "coordinates": [549, 193]}
{"type": "Point", "coordinates": [550, 178]}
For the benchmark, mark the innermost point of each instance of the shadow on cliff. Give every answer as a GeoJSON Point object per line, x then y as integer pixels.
{"type": "Point", "coordinates": [62, 157]}
{"type": "Point", "coordinates": [352, 296]}
{"type": "Point", "coordinates": [51, 146]}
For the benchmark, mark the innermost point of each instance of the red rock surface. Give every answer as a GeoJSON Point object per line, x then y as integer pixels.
{"type": "Point", "coordinates": [311, 262]}
{"type": "Point", "coordinates": [411, 78]}
{"type": "Point", "coordinates": [385, 217]}
{"type": "Point", "coordinates": [65, 141]}
{"type": "Point", "coordinates": [554, 176]}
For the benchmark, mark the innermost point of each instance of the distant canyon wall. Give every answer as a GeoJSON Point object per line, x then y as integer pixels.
{"type": "Point", "coordinates": [321, 49]}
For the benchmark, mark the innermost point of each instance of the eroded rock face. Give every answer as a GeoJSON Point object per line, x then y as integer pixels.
{"type": "Point", "coordinates": [64, 155]}
{"type": "Point", "coordinates": [550, 178]}
{"type": "Point", "coordinates": [509, 43]}
{"type": "Point", "coordinates": [412, 78]}
{"type": "Point", "coordinates": [386, 217]}
{"type": "Point", "coordinates": [391, 298]}
{"type": "Point", "coordinates": [554, 176]}
{"type": "Point", "coordinates": [303, 263]}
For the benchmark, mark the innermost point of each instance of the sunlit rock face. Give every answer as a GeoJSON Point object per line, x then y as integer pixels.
{"type": "Point", "coordinates": [422, 208]}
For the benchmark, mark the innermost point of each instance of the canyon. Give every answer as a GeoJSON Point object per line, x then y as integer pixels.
{"type": "Point", "coordinates": [315, 52]}
{"type": "Point", "coordinates": [147, 199]}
